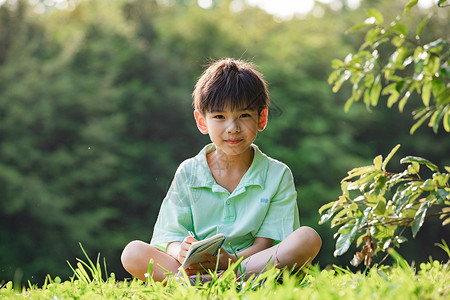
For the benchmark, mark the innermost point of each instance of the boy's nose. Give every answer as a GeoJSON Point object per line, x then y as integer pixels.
{"type": "Point", "coordinates": [233, 127]}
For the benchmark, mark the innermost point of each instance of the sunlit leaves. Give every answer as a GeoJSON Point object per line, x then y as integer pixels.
{"type": "Point", "coordinates": [376, 15]}
{"type": "Point", "coordinates": [426, 93]}
{"type": "Point", "coordinates": [419, 218]}
{"type": "Point", "coordinates": [378, 205]}
{"type": "Point", "coordinates": [441, 3]}
{"type": "Point", "coordinates": [410, 4]}
{"type": "Point", "coordinates": [412, 67]}
{"type": "Point", "coordinates": [421, 26]}
{"type": "Point", "coordinates": [420, 160]}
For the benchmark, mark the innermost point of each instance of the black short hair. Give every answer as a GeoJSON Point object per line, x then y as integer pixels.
{"type": "Point", "coordinates": [230, 82]}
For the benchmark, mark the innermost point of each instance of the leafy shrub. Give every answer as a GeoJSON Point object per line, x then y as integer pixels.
{"type": "Point", "coordinates": [377, 206]}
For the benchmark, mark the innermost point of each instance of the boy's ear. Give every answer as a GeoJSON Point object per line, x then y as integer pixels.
{"type": "Point", "coordinates": [201, 123]}
{"type": "Point", "coordinates": [263, 118]}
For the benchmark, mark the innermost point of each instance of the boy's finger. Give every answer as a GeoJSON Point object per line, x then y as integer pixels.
{"type": "Point", "coordinates": [209, 257]}
{"type": "Point", "coordinates": [201, 266]}
{"type": "Point", "coordinates": [190, 239]}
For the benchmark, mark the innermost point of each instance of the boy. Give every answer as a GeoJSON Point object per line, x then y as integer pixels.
{"type": "Point", "coordinates": [230, 187]}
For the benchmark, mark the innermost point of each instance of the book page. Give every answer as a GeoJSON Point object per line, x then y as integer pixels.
{"type": "Point", "coordinates": [197, 249]}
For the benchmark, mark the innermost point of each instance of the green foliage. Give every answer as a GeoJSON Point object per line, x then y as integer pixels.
{"type": "Point", "coordinates": [411, 66]}
{"type": "Point", "coordinates": [378, 205]}
{"type": "Point", "coordinates": [96, 115]}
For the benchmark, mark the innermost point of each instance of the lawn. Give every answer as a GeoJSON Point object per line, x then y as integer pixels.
{"type": "Point", "coordinates": [429, 280]}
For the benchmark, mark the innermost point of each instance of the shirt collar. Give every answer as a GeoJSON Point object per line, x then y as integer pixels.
{"type": "Point", "coordinates": [255, 175]}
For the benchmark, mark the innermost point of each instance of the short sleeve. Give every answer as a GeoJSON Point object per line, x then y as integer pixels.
{"type": "Point", "coordinates": [282, 217]}
{"type": "Point", "coordinates": [175, 216]}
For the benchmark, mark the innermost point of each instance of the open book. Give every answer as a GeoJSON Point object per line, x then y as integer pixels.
{"type": "Point", "coordinates": [210, 245]}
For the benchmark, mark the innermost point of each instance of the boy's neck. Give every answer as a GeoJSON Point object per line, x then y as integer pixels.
{"type": "Point", "coordinates": [228, 170]}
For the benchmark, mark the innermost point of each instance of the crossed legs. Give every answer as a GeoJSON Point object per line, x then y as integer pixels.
{"type": "Point", "coordinates": [136, 258]}
{"type": "Point", "coordinates": [296, 250]}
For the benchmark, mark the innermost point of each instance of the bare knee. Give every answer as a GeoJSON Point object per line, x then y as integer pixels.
{"type": "Point", "coordinates": [131, 254]}
{"type": "Point", "coordinates": [311, 240]}
{"type": "Point", "coordinates": [301, 246]}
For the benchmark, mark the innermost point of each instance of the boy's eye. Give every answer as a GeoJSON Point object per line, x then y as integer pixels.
{"type": "Point", "coordinates": [219, 117]}
{"type": "Point", "coordinates": [245, 115]}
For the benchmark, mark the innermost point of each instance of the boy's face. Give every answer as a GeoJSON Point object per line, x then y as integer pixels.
{"type": "Point", "coordinates": [232, 131]}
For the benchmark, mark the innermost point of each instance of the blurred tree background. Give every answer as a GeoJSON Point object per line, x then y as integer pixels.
{"type": "Point", "coordinates": [95, 117]}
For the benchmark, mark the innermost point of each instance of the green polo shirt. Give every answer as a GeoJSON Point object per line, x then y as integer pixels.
{"type": "Point", "coordinates": [264, 204]}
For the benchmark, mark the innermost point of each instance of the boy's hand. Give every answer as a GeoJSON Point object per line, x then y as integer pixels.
{"type": "Point", "coordinates": [184, 247]}
{"type": "Point", "coordinates": [210, 263]}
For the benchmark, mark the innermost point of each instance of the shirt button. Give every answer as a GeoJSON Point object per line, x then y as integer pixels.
{"type": "Point", "coordinates": [228, 202]}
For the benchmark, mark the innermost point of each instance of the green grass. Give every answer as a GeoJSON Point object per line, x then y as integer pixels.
{"type": "Point", "coordinates": [429, 280]}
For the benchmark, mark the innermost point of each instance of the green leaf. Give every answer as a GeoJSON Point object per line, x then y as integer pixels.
{"type": "Point", "coordinates": [388, 158]}
{"type": "Point", "coordinates": [446, 221]}
{"type": "Point", "coordinates": [383, 231]}
{"type": "Point", "coordinates": [372, 12]}
{"type": "Point", "coordinates": [326, 206]}
{"type": "Point", "coordinates": [400, 260]}
{"type": "Point", "coordinates": [372, 35]}
{"type": "Point", "coordinates": [400, 29]}
{"type": "Point", "coordinates": [401, 239]}
{"type": "Point", "coordinates": [414, 168]}
{"type": "Point", "coordinates": [400, 85]}
{"type": "Point", "coordinates": [419, 217]}
{"type": "Point", "coordinates": [397, 41]}
{"type": "Point", "coordinates": [420, 160]}
{"type": "Point", "coordinates": [420, 122]}
{"type": "Point", "coordinates": [401, 196]}
{"type": "Point", "coordinates": [325, 217]}
{"type": "Point", "coordinates": [375, 91]}
{"type": "Point", "coordinates": [426, 92]}
{"type": "Point", "coordinates": [399, 56]}
{"type": "Point", "coordinates": [432, 66]}
{"type": "Point", "coordinates": [348, 104]}
{"type": "Point", "coordinates": [418, 113]}
{"type": "Point", "coordinates": [389, 88]}
{"type": "Point", "coordinates": [359, 26]}
{"type": "Point", "coordinates": [393, 98]}
{"type": "Point", "coordinates": [441, 2]}
{"type": "Point", "coordinates": [358, 171]}
{"type": "Point", "coordinates": [435, 119]}
{"type": "Point", "coordinates": [419, 54]}
{"type": "Point", "coordinates": [437, 86]}
{"type": "Point", "coordinates": [402, 102]}
{"type": "Point", "coordinates": [333, 76]}
{"type": "Point", "coordinates": [367, 97]}
{"type": "Point", "coordinates": [446, 120]}
{"type": "Point", "coordinates": [339, 82]}
{"type": "Point", "coordinates": [344, 241]}
{"type": "Point", "coordinates": [441, 180]}
{"type": "Point", "coordinates": [366, 178]}
{"type": "Point", "coordinates": [436, 46]}
{"type": "Point", "coordinates": [336, 218]}
{"type": "Point", "coordinates": [336, 63]}
{"type": "Point", "coordinates": [377, 161]}
{"type": "Point", "coordinates": [422, 25]}
{"type": "Point", "coordinates": [410, 4]}
{"type": "Point", "coordinates": [380, 208]}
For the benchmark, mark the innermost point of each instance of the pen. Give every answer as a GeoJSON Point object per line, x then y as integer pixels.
{"type": "Point", "coordinates": [192, 234]}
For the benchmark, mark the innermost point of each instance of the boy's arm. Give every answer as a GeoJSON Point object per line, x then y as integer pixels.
{"type": "Point", "coordinates": [178, 250]}
{"type": "Point", "coordinates": [210, 262]}
{"type": "Point", "coordinates": [259, 244]}
{"type": "Point", "coordinates": [173, 249]}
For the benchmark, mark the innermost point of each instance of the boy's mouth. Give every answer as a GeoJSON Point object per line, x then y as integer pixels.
{"type": "Point", "coordinates": [233, 141]}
